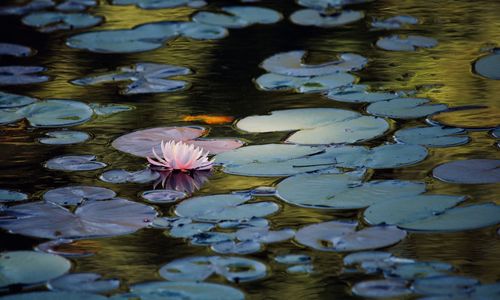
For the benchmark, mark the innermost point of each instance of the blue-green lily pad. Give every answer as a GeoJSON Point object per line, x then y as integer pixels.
{"type": "Point", "coordinates": [405, 108]}
{"type": "Point", "coordinates": [11, 196]}
{"type": "Point", "coordinates": [54, 21]}
{"type": "Point", "coordinates": [232, 247]}
{"type": "Point", "coordinates": [216, 208]}
{"type": "Point", "coordinates": [54, 296]}
{"type": "Point", "coordinates": [157, 4]}
{"type": "Point", "coordinates": [264, 235]}
{"type": "Point", "coordinates": [56, 113]}
{"type": "Point", "coordinates": [312, 17]}
{"type": "Point", "coordinates": [8, 100]}
{"type": "Point", "coordinates": [359, 94]}
{"type": "Point", "coordinates": [122, 176]}
{"type": "Point", "coordinates": [211, 238]}
{"type": "Point", "coordinates": [382, 288]}
{"type": "Point", "coordinates": [15, 50]}
{"type": "Point", "coordinates": [33, 5]}
{"type": "Point", "coordinates": [342, 236]}
{"type": "Point", "coordinates": [470, 171]}
{"type": "Point", "coordinates": [458, 219]}
{"type": "Point", "coordinates": [144, 77]}
{"type": "Point", "coordinates": [434, 136]}
{"type": "Point", "coordinates": [64, 137]}
{"type": "Point", "coordinates": [75, 195]}
{"type": "Point", "coordinates": [199, 268]}
{"type": "Point", "coordinates": [409, 43]}
{"type": "Point", "coordinates": [292, 259]}
{"type": "Point", "coordinates": [301, 269]}
{"type": "Point", "coordinates": [411, 271]}
{"type": "Point", "coordinates": [444, 285]}
{"type": "Point", "coordinates": [30, 267]}
{"type": "Point", "coordinates": [399, 211]}
{"type": "Point", "coordinates": [74, 163]}
{"type": "Point", "coordinates": [190, 230]}
{"type": "Point", "coordinates": [163, 196]}
{"type": "Point", "coordinates": [327, 4]}
{"type": "Point", "coordinates": [14, 75]}
{"type": "Point", "coordinates": [75, 5]}
{"type": "Point", "coordinates": [109, 109]}
{"type": "Point", "coordinates": [276, 82]}
{"type": "Point", "coordinates": [395, 22]}
{"type": "Point", "coordinates": [291, 64]}
{"type": "Point", "coordinates": [83, 282]}
{"type": "Point", "coordinates": [244, 223]}
{"type": "Point", "coordinates": [238, 16]}
{"type": "Point", "coordinates": [488, 66]}
{"type": "Point", "coordinates": [184, 290]}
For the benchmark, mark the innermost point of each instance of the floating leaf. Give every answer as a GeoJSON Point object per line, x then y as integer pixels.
{"type": "Point", "coordinates": [291, 259]}
{"type": "Point", "coordinates": [469, 117]}
{"type": "Point", "coordinates": [209, 119]}
{"type": "Point", "coordinates": [276, 82]}
{"type": "Point", "coordinates": [190, 230]}
{"type": "Point", "coordinates": [188, 290]}
{"type": "Point", "coordinates": [14, 75]}
{"type": "Point", "coordinates": [216, 208]}
{"type": "Point", "coordinates": [395, 22]}
{"type": "Point", "coordinates": [53, 21]}
{"type": "Point", "coordinates": [405, 108]}
{"type": "Point", "coordinates": [383, 288]}
{"type": "Point", "coordinates": [8, 100]}
{"type": "Point", "coordinates": [444, 285]}
{"type": "Point", "coordinates": [163, 196]}
{"type": "Point", "coordinates": [409, 43]}
{"type": "Point", "coordinates": [312, 17]}
{"type": "Point", "coordinates": [434, 136]}
{"type": "Point", "coordinates": [360, 257]}
{"type": "Point", "coordinates": [488, 66]}
{"type": "Point", "coordinates": [54, 296]}
{"type": "Point", "coordinates": [11, 196]}
{"type": "Point", "coordinates": [56, 113]}
{"type": "Point", "coordinates": [145, 78]}
{"type": "Point", "coordinates": [399, 211]}
{"type": "Point", "coordinates": [291, 64]}
{"type": "Point", "coordinates": [157, 4]}
{"type": "Point", "coordinates": [300, 269]}
{"type": "Point", "coordinates": [109, 109]}
{"type": "Point", "coordinates": [93, 219]}
{"type": "Point", "coordinates": [122, 176]}
{"type": "Point", "coordinates": [141, 142]}
{"type": "Point", "coordinates": [359, 94]}
{"type": "Point", "coordinates": [33, 5]}
{"type": "Point", "coordinates": [30, 267]}
{"type": "Point", "coordinates": [232, 247]}
{"type": "Point", "coordinates": [83, 282]}
{"type": "Point", "coordinates": [75, 5]}
{"type": "Point", "coordinates": [75, 195]}
{"type": "Point", "coordinates": [244, 223]}
{"type": "Point", "coordinates": [264, 235]}
{"type": "Point", "coordinates": [238, 16]}
{"type": "Point", "coordinates": [411, 271]}
{"type": "Point", "coordinates": [14, 50]}
{"type": "Point", "coordinates": [458, 219]}
{"type": "Point", "coordinates": [470, 171]}
{"type": "Point", "coordinates": [211, 238]}
{"type": "Point", "coordinates": [199, 268]}
{"type": "Point", "coordinates": [342, 236]}
{"type": "Point", "coordinates": [64, 137]}
{"type": "Point", "coordinates": [328, 4]}
{"type": "Point", "coordinates": [74, 163]}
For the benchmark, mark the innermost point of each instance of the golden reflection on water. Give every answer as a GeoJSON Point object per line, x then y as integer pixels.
{"type": "Point", "coordinates": [222, 85]}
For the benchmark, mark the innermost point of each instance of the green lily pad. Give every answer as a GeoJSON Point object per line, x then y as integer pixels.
{"type": "Point", "coordinates": [241, 248]}
{"type": "Point", "coordinates": [122, 176]}
{"type": "Point", "coordinates": [64, 137]}
{"type": "Point", "coordinates": [405, 108]}
{"type": "Point", "coordinates": [216, 208]}
{"type": "Point", "coordinates": [409, 43]}
{"type": "Point", "coordinates": [434, 136]}
{"type": "Point", "coordinates": [53, 21]}
{"type": "Point", "coordinates": [312, 17]}
{"type": "Point", "coordinates": [8, 100]}
{"type": "Point", "coordinates": [109, 109]}
{"type": "Point", "coordinates": [488, 66]}
{"type": "Point", "coordinates": [264, 235]}
{"type": "Point", "coordinates": [75, 5]}
{"type": "Point", "coordinates": [238, 16]}
{"type": "Point", "coordinates": [411, 271]}
{"type": "Point", "coordinates": [163, 196]}
{"type": "Point", "coordinates": [30, 267]}
{"type": "Point", "coordinates": [470, 171]}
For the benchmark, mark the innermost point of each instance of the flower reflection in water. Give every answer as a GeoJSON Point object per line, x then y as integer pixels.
{"type": "Point", "coordinates": [187, 182]}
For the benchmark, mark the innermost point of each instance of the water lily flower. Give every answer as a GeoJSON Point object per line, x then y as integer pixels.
{"type": "Point", "coordinates": [181, 156]}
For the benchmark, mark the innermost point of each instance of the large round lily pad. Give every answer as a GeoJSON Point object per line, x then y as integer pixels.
{"type": "Point", "coordinates": [30, 267]}
{"type": "Point", "coordinates": [187, 290]}
{"type": "Point", "coordinates": [64, 137]}
{"type": "Point", "coordinates": [93, 219]}
{"type": "Point", "coordinates": [74, 195]}
{"type": "Point", "coordinates": [277, 82]}
{"type": "Point", "coordinates": [8, 100]}
{"type": "Point", "coordinates": [216, 208]}
{"type": "Point", "coordinates": [470, 171]}
{"type": "Point", "coordinates": [489, 65]}
{"type": "Point", "coordinates": [434, 136]}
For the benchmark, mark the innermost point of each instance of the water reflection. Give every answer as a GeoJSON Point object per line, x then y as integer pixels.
{"type": "Point", "coordinates": [187, 182]}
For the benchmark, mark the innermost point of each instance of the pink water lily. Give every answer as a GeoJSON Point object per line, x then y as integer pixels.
{"type": "Point", "coordinates": [181, 156]}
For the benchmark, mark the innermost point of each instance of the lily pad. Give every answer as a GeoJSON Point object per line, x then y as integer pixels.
{"type": "Point", "coordinates": [109, 109]}
{"type": "Point", "coordinates": [11, 196]}
{"type": "Point", "coordinates": [54, 296]}
{"type": "Point", "coordinates": [238, 16]}
{"type": "Point", "coordinates": [312, 17]}
{"type": "Point", "coordinates": [216, 208]}
{"type": "Point", "coordinates": [8, 100]}
{"type": "Point", "coordinates": [382, 288]}
{"type": "Point", "coordinates": [405, 108]}
{"type": "Point", "coordinates": [15, 75]}
{"type": "Point", "coordinates": [33, 5]}
{"type": "Point", "coordinates": [444, 285]}
{"type": "Point", "coordinates": [473, 117]}
{"type": "Point", "coordinates": [409, 43]}
{"type": "Point", "coordinates": [434, 136]}
{"type": "Point", "coordinates": [141, 142]}
{"type": "Point", "coordinates": [399, 211]}
{"type": "Point", "coordinates": [411, 271]}
{"type": "Point", "coordinates": [264, 235]}
{"type": "Point", "coordinates": [232, 247]}
{"type": "Point", "coordinates": [276, 82]}
{"type": "Point", "coordinates": [292, 259]}
{"type": "Point", "coordinates": [15, 50]}
{"type": "Point", "coordinates": [301, 269]}
{"type": "Point", "coordinates": [185, 290]}
{"type": "Point", "coordinates": [90, 220]}
{"type": "Point", "coordinates": [157, 4]}
{"type": "Point", "coordinates": [458, 219]}
{"type": "Point", "coordinates": [488, 66]}
{"type": "Point", "coordinates": [244, 223]}
{"type": "Point", "coordinates": [211, 238]}
{"type": "Point", "coordinates": [470, 171]}
{"type": "Point", "coordinates": [122, 176]}
{"type": "Point", "coordinates": [291, 64]}
{"type": "Point", "coordinates": [74, 163]}
{"type": "Point", "coordinates": [163, 196]}
{"type": "Point", "coordinates": [190, 230]}
{"type": "Point", "coordinates": [75, 5]}
{"type": "Point", "coordinates": [54, 21]}
{"type": "Point", "coordinates": [64, 137]}
{"type": "Point", "coordinates": [76, 195]}
{"type": "Point", "coordinates": [83, 282]}
{"type": "Point", "coordinates": [328, 4]}
{"type": "Point", "coordinates": [359, 94]}
{"type": "Point", "coordinates": [199, 268]}
{"type": "Point", "coordinates": [395, 22]}
{"type": "Point", "coordinates": [30, 267]}
{"type": "Point", "coordinates": [144, 77]}
{"type": "Point", "coordinates": [342, 236]}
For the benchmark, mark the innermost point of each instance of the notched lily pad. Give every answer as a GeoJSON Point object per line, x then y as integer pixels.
{"type": "Point", "coordinates": [312, 17]}
{"type": "Point", "coordinates": [163, 196]}
{"type": "Point", "coordinates": [15, 75]}
{"type": "Point", "coordinates": [238, 16]}
{"type": "Point", "coordinates": [64, 137]}
{"type": "Point", "coordinates": [15, 50]}
{"type": "Point", "coordinates": [358, 94]}
{"type": "Point", "coordinates": [434, 136]}
{"type": "Point", "coordinates": [277, 82]}
{"type": "Point", "coordinates": [74, 163]}
{"type": "Point", "coordinates": [53, 21]}
{"type": "Point", "coordinates": [75, 195]}
{"type": "Point", "coordinates": [122, 176]}
{"type": "Point", "coordinates": [470, 171]}
{"type": "Point", "coordinates": [408, 43]}
{"type": "Point", "coordinates": [405, 108]}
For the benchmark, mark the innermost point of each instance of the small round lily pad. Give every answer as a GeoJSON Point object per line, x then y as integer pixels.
{"type": "Point", "coordinates": [74, 163]}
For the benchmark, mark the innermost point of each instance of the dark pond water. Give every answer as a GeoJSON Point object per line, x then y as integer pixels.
{"type": "Point", "coordinates": [222, 84]}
